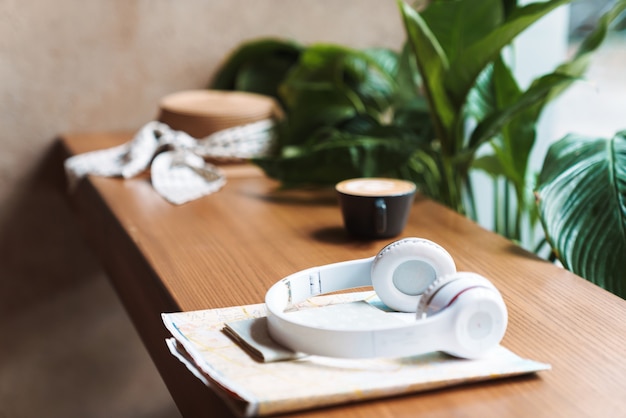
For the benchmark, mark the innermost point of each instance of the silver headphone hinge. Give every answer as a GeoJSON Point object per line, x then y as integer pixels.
{"type": "Point", "coordinates": [315, 282]}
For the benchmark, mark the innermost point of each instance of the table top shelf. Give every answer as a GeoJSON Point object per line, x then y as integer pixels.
{"type": "Point", "coordinates": [228, 248]}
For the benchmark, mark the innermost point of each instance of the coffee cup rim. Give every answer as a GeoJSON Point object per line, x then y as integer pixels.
{"type": "Point", "coordinates": [412, 187]}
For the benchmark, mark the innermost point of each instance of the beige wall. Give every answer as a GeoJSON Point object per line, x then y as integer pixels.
{"type": "Point", "coordinates": [74, 65]}
{"type": "Point", "coordinates": [91, 65]}
{"type": "Point", "coordinates": [88, 65]}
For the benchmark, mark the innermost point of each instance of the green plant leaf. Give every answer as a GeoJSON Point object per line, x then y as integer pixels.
{"type": "Point", "coordinates": [481, 99]}
{"type": "Point", "coordinates": [490, 165]}
{"type": "Point", "coordinates": [432, 63]}
{"type": "Point", "coordinates": [257, 66]}
{"type": "Point", "coordinates": [387, 60]}
{"type": "Point", "coordinates": [334, 155]}
{"type": "Point", "coordinates": [516, 137]}
{"type": "Point", "coordinates": [458, 24]}
{"type": "Point", "coordinates": [536, 93]}
{"type": "Point", "coordinates": [582, 203]}
{"type": "Point", "coordinates": [331, 85]}
{"type": "Point", "coordinates": [470, 62]}
{"type": "Point", "coordinates": [409, 79]}
{"type": "Point", "coordinates": [509, 6]}
{"type": "Point", "coordinates": [496, 88]}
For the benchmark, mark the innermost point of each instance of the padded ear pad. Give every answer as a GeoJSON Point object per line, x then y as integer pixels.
{"type": "Point", "coordinates": [477, 310]}
{"type": "Point", "coordinates": [442, 291]}
{"type": "Point", "coordinates": [404, 269]}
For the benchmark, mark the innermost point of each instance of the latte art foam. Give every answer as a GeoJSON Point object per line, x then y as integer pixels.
{"type": "Point", "coordinates": [375, 187]}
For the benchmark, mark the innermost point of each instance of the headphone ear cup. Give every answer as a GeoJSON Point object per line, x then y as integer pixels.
{"type": "Point", "coordinates": [441, 292]}
{"type": "Point", "coordinates": [404, 269]}
{"type": "Point", "coordinates": [477, 312]}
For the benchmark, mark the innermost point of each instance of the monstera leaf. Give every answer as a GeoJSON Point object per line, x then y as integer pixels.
{"type": "Point", "coordinates": [582, 203]}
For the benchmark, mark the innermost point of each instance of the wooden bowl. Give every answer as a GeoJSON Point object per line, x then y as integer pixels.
{"type": "Point", "coordinates": [200, 113]}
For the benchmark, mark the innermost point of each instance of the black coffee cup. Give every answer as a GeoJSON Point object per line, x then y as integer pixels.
{"type": "Point", "coordinates": [375, 207]}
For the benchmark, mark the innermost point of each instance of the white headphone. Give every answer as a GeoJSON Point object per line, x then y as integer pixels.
{"type": "Point", "coordinates": [460, 313]}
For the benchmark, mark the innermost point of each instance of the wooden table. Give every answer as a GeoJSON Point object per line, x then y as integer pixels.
{"type": "Point", "coordinates": [228, 248]}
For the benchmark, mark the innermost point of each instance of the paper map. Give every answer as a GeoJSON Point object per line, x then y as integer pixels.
{"type": "Point", "coordinates": [254, 388]}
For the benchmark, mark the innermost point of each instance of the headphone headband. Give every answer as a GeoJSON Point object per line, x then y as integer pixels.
{"type": "Point", "coordinates": [462, 314]}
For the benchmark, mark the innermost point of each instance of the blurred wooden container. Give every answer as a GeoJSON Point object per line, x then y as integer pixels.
{"type": "Point", "coordinates": [200, 113]}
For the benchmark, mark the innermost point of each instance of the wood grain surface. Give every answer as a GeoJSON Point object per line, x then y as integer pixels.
{"type": "Point", "coordinates": [227, 248]}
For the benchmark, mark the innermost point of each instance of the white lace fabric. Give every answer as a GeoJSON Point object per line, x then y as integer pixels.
{"type": "Point", "coordinates": [177, 162]}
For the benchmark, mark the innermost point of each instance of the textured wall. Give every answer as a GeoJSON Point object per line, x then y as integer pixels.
{"type": "Point", "coordinates": [75, 65]}
{"type": "Point", "coordinates": [88, 65]}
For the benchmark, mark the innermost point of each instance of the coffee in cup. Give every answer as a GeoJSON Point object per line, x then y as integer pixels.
{"type": "Point", "coordinates": [375, 207]}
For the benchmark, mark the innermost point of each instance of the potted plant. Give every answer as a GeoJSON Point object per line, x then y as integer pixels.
{"type": "Point", "coordinates": [420, 113]}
